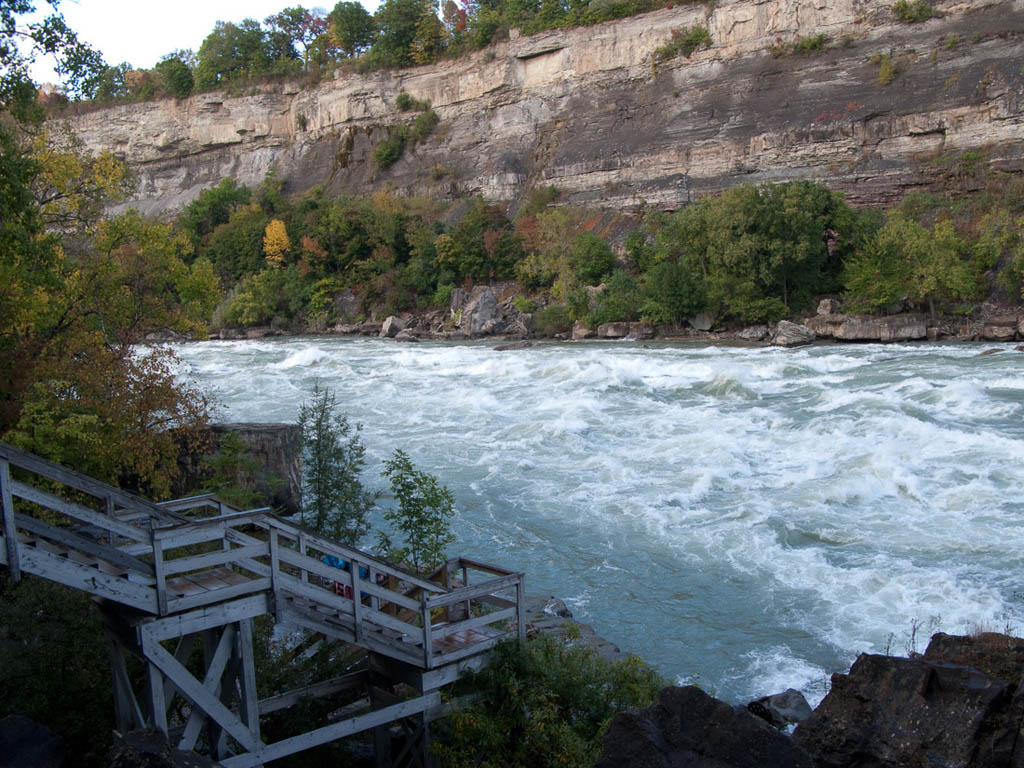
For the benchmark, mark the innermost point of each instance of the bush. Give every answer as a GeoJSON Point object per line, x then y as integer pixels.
{"type": "Point", "coordinates": [684, 41]}
{"type": "Point", "coordinates": [407, 103]}
{"type": "Point", "coordinates": [388, 151]}
{"type": "Point", "coordinates": [424, 125]}
{"type": "Point", "coordinates": [552, 319]}
{"type": "Point", "coordinates": [913, 12]}
{"type": "Point", "coordinates": [886, 67]}
{"type": "Point", "coordinates": [524, 305]}
{"type": "Point", "coordinates": [545, 702]}
{"type": "Point", "coordinates": [591, 258]}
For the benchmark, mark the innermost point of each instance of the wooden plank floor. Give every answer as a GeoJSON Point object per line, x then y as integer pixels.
{"type": "Point", "coordinates": [207, 581]}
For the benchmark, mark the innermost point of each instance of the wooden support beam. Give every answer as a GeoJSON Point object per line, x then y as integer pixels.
{"type": "Point", "coordinates": [197, 694]}
{"type": "Point", "coordinates": [520, 608]}
{"type": "Point", "coordinates": [315, 691]}
{"type": "Point", "coordinates": [332, 732]}
{"type": "Point", "coordinates": [140, 569]}
{"type": "Point", "coordinates": [216, 659]}
{"type": "Point", "coordinates": [128, 714]}
{"type": "Point", "coordinates": [249, 706]}
{"type": "Point", "coordinates": [87, 579]}
{"type": "Point", "coordinates": [157, 700]}
{"type": "Point", "coordinates": [205, 618]}
{"type": "Point", "coordinates": [78, 512]}
{"type": "Point", "coordinates": [477, 590]}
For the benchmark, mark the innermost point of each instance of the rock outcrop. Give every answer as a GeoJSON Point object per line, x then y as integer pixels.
{"type": "Point", "coordinates": [960, 706]}
{"type": "Point", "coordinates": [594, 112]}
{"type": "Point", "coordinates": [868, 328]}
{"type": "Point", "coordinates": [789, 334]}
{"type": "Point", "coordinates": [687, 728]}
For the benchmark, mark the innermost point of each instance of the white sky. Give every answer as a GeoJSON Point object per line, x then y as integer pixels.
{"type": "Point", "coordinates": [141, 31]}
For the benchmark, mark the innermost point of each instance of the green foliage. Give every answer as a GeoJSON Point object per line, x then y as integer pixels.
{"type": "Point", "coordinates": [913, 12]}
{"type": "Point", "coordinates": [619, 300]}
{"type": "Point", "coordinates": [886, 67]}
{"type": "Point", "coordinates": [397, 22]}
{"type": "Point", "coordinates": [351, 27]}
{"type": "Point", "coordinates": [176, 75]}
{"type": "Point", "coordinates": [424, 125]}
{"type": "Point", "coordinates": [482, 246]}
{"type": "Point", "coordinates": [524, 305]}
{"type": "Point", "coordinates": [542, 703]}
{"type": "Point", "coordinates": [683, 42]}
{"type": "Point", "coordinates": [212, 208]}
{"type": "Point", "coordinates": [672, 293]}
{"type": "Point", "coordinates": [389, 150]}
{"type": "Point", "coordinates": [335, 502]}
{"type": "Point", "coordinates": [591, 258]}
{"type": "Point", "coordinates": [55, 665]}
{"type": "Point", "coordinates": [552, 320]}
{"type": "Point", "coordinates": [232, 473]}
{"type": "Point", "coordinates": [422, 514]}
{"type": "Point", "coordinates": [442, 296]}
{"type": "Point", "coordinates": [905, 260]}
{"type": "Point", "coordinates": [232, 53]}
{"type": "Point", "coordinates": [805, 46]}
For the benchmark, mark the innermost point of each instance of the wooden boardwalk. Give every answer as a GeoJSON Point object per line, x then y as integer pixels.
{"type": "Point", "coordinates": [164, 579]}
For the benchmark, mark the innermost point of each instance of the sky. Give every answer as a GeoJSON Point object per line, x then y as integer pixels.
{"type": "Point", "coordinates": [141, 32]}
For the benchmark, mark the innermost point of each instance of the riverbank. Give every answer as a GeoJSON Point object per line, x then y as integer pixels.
{"type": "Point", "coordinates": [479, 314]}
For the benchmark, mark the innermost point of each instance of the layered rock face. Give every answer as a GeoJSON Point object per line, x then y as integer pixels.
{"type": "Point", "coordinates": [592, 112]}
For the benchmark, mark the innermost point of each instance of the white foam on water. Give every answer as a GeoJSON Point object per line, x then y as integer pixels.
{"type": "Point", "coordinates": [792, 508]}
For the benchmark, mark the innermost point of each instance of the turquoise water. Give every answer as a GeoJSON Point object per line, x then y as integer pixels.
{"type": "Point", "coordinates": [746, 518]}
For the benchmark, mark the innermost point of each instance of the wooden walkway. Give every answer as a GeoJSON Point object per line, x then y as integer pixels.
{"type": "Point", "coordinates": [163, 578]}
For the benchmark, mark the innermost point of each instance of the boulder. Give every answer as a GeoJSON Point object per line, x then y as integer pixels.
{"type": "Point", "coordinates": [641, 331]}
{"type": "Point", "coordinates": [870, 328]}
{"type": "Point", "coordinates": [828, 306]}
{"type": "Point", "coordinates": [582, 331]}
{"type": "Point", "coordinates": [915, 712]}
{"type": "Point", "coordinates": [997, 655]}
{"type": "Point", "coordinates": [480, 308]}
{"type": "Point", "coordinates": [392, 325]}
{"type": "Point", "coordinates": [754, 333]}
{"type": "Point", "coordinates": [613, 330]}
{"type": "Point", "coordinates": [687, 727]}
{"type": "Point", "coordinates": [346, 304]}
{"type": "Point", "coordinates": [406, 335]}
{"type": "Point", "coordinates": [514, 346]}
{"type": "Point", "coordinates": [789, 334]}
{"type": "Point", "coordinates": [782, 709]}
{"type": "Point", "coordinates": [702, 322]}
{"type": "Point", "coordinates": [24, 743]}
{"type": "Point", "coordinates": [992, 332]}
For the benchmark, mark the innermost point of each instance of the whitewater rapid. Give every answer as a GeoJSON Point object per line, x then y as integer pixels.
{"type": "Point", "coordinates": [746, 518]}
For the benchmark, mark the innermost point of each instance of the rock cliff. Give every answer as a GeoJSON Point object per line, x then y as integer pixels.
{"type": "Point", "coordinates": [591, 111]}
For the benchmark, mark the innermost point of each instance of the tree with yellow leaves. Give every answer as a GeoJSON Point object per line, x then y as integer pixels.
{"type": "Point", "coordinates": [276, 244]}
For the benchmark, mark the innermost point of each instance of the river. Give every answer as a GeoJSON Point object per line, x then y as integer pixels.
{"type": "Point", "coordinates": [745, 518]}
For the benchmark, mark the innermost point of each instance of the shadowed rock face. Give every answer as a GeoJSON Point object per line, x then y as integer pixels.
{"type": "Point", "coordinates": [587, 110]}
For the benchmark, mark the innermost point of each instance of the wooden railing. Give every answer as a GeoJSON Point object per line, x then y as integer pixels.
{"type": "Point", "coordinates": [70, 528]}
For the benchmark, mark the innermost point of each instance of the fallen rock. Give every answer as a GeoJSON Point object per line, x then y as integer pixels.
{"type": "Point", "coordinates": [702, 322]}
{"type": "Point", "coordinates": [992, 332]}
{"type": "Point", "coordinates": [913, 712]}
{"type": "Point", "coordinates": [997, 655]}
{"type": "Point", "coordinates": [513, 347]}
{"type": "Point", "coordinates": [406, 335]}
{"type": "Point", "coordinates": [686, 727]}
{"type": "Point", "coordinates": [641, 331]}
{"type": "Point", "coordinates": [613, 330]}
{"type": "Point", "coordinates": [479, 309]}
{"type": "Point", "coordinates": [782, 709]}
{"type": "Point", "coordinates": [869, 328]}
{"type": "Point", "coordinates": [754, 333]}
{"type": "Point", "coordinates": [582, 331]}
{"type": "Point", "coordinates": [828, 306]}
{"type": "Point", "coordinates": [391, 326]}
{"type": "Point", "coordinates": [789, 334]}
{"type": "Point", "coordinates": [988, 352]}
{"type": "Point", "coordinates": [24, 743]}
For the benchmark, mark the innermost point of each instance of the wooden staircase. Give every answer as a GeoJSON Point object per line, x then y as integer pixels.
{"type": "Point", "coordinates": [163, 578]}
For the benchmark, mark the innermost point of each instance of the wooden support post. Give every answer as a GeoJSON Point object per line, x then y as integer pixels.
{"type": "Point", "coordinates": [357, 601]}
{"type": "Point", "coordinates": [521, 609]}
{"type": "Point", "coordinates": [157, 701]}
{"type": "Point", "coordinates": [249, 705]}
{"type": "Point", "coordinates": [465, 583]}
{"type": "Point", "coordinates": [10, 531]}
{"type": "Point", "coordinates": [127, 713]}
{"type": "Point", "coordinates": [428, 641]}
{"type": "Point", "coordinates": [303, 546]}
{"type": "Point", "coordinates": [161, 578]}
{"type": "Point", "coordinates": [111, 535]}
{"type": "Point", "coordinates": [275, 575]}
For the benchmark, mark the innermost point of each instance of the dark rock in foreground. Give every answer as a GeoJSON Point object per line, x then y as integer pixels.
{"type": "Point", "coordinates": [24, 743]}
{"type": "Point", "coordinates": [686, 727]}
{"type": "Point", "coordinates": [150, 749]}
{"type": "Point", "coordinates": [924, 712]}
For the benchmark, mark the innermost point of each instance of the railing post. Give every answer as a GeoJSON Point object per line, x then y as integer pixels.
{"type": "Point", "coordinates": [303, 546]}
{"type": "Point", "coordinates": [10, 531]}
{"type": "Point", "coordinates": [520, 613]}
{"type": "Point", "coordinates": [465, 583]}
{"type": "Point", "coordinates": [275, 574]}
{"type": "Point", "coordinates": [111, 536]}
{"type": "Point", "coordinates": [357, 600]}
{"type": "Point", "coordinates": [158, 573]}
{"type": "Point", "coordinates": [428, 641]}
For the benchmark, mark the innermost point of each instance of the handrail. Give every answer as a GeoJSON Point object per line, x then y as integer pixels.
{"type": "Point", "coordinates": [433, 619]}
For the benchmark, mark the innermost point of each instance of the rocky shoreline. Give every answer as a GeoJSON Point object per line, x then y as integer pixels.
{"type": "Point", "coordinates": [482, 313]}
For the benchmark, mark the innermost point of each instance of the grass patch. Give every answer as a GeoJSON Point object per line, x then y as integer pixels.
{"type": "Point", "coordinates": [684, 42]}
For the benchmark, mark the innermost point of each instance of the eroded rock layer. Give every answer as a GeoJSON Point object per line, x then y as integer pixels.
{"type": "Point", "coordinates": [592, 112]}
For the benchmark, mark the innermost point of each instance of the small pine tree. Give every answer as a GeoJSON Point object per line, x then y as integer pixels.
{"type": "Point", "coordinates": [334, 500]}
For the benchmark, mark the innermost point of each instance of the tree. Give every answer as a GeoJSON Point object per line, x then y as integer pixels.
{"type": "Point", "coordinates": [212, 208]}
{"type": "Point", "coordinates": [351, 27]}
{"type": "Point", "coordinates": [276, 244]}
{"type": "Point", "coordinates": [422, 515]}
{"type": "Point", "coordinates": [592, 258]}
{"type": "Point", "coordinates": [231, 53]}
{"type": "Point", "coordinates": [176, 75]}
{"type": "Point", "coordinates": [334, 500]}
{"type": "Point", "coordinates": [296, 27]}
{"type": "Point", "coordinates": [397, 22]}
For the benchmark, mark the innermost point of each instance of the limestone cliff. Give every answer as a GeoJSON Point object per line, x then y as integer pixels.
{"type": "Point", "coordinates": [589, 111]}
